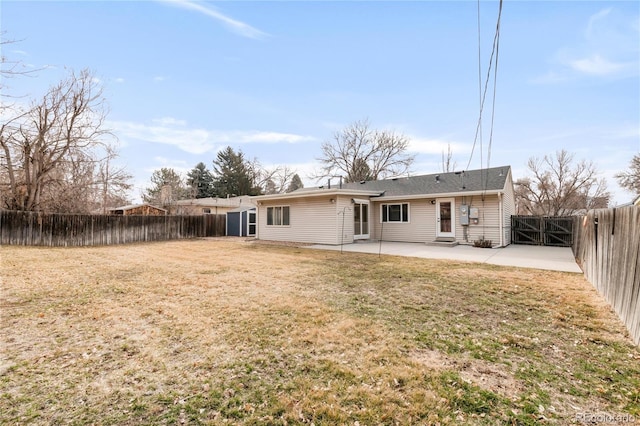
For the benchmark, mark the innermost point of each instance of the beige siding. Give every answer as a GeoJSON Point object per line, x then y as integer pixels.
{"type": "Point", "coordinates": [422, 226]}
{"type": "Point", "coordinates": [509, 208]}
{"type": "Point", "coordinates": [488, 226]}
{"type": "Point", "coordinates": [419, 229]}
{"type": "Point", "coordinates": [312, 220]}
{"type": "Point", "coordinates": [344, 221]}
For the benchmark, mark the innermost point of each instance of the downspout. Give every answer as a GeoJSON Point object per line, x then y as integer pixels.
{"type": "Point", "coordinates": [501, 209]}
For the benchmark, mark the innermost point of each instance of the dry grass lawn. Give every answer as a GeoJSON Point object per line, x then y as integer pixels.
{"type": "Point", "coordinates": [228, 331]}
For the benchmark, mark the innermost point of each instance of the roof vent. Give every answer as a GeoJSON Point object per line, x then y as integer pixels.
{"type": "Point", "coordinates": [362, 182]}
{"type": "Point", "coordinates": [437, 178]}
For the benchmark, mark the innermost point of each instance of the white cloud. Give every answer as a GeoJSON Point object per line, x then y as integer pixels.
{"type": "Point", "coordinates": [608, 49]}
{"type": "Point", "coordinates": [171, 131]}
{"type": "Point", "coordinates": [119, 80]}
{"type": "Point", "coordinates": [437, 146]}
{"type": "Point", "coordinates": [158, 78]}
{"type": "Point", "coordinates": [597, 65]}
{"type": "Point", "coordinates": [234, 25]}
{"type": "Point", "coordinates": [169, 121]}
{"type": "Point", "coordinates": [593, 21]}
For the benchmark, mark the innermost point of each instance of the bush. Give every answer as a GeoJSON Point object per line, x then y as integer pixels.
{"type": "Point", "coordinates": [482, 243]}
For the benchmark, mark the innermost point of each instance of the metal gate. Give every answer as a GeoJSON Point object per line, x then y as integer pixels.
{"type": "Point", "coordinates": [542, 231]}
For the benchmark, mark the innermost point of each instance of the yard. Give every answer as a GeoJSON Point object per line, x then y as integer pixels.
{"type": "Point", "coordinates": [227, 331]}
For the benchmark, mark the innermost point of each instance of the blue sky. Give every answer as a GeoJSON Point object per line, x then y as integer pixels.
{"type": "Point", "coordinates": [184, 79]}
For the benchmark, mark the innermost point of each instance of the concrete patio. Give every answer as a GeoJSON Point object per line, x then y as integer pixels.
{"type": "Point", "coordinates": [523, 256]}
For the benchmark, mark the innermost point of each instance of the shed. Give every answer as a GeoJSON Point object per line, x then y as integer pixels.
{"type": "Point", "coordinates": [241, 222]}
{"type": "Point", "coordinates": [138, 209]}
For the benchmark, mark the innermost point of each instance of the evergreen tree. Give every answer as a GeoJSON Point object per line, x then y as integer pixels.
{"type": "Point", "coordinates": [200, 180]}
{"type": "Point", "coordinates": [167, 187]}
{"type": "Point", "coordinates": [233, 174]}
{"type": "Point", "coordinates": [296, 183]}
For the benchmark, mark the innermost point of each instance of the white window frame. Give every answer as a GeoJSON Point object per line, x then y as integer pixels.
{"type": "Point", "coordinates": [386, 206]}
{"type": "Point", "coordinates": [274, 216]}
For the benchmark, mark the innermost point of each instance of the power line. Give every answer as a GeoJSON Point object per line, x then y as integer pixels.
{"type": "Point", "coordinates": [486, 84]}
{"type": "Point", "coordinates": [495, 80]}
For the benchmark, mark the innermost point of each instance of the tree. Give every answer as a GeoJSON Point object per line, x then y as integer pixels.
{"type": "Point", "coordinates": [361, 153]}
{"type": "Point", "coordinates": [54, 148]}
{"type": "Point", "coordinates": [448, 164]}
{"type": "Point", "coordinates": [558, 186]}
{"type": "Point", "coordinates": [630, 180]}
{"type": "Point", "coordinates": [167, 187]}
{"type": "Point", "coordinates": [200, 180]}
{"type": "Point", "coordinates": [234, 175]}
{"type": "Point", "coordinates": [273, 180]}
{"type": "Point", "coordinates": [296, 183]}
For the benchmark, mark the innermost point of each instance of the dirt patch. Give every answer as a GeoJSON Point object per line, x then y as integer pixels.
{"type": "Point", "coordinates": [493, 377]}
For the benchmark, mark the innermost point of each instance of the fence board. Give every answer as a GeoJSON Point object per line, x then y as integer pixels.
{"type": "Point", "coordinates": [541, 230]}
{"type": "Point", "coordinates": [607, 245]}
{"type": "Point", "coordinates": [63, 230]}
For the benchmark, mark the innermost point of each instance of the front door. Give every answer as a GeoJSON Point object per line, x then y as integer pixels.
{"type": "Point", "coordinates": [445, 218]}
{"type": "Point", "coordinates": [360, 221]}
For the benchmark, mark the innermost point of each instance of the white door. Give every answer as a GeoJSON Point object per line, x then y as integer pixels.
{"type": "Point", "coordinates": [360, 221]}
{"type": "Point", "coordinates": [445, 218]}
{"type": "Point", "coordinates": [251, 224]}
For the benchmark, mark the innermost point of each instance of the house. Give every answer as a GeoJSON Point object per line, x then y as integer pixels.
{"type": "Point", "coordinates": [138, 209]}
{"type": "Point", "coordinates": [241, 222]}
{"type": "Point", "coordinates": [636, 202]}
{"type": "Point", "coordinates": [455, 207]}
{"type": "Point", "coordinates": [210, 205]}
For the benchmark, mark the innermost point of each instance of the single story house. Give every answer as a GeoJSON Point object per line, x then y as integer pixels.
{"type": "Point", "coordinates": [138, 209]}
{"type": "Point", "coordinates": [455, 207]}
{"type": "Point", "coordinates": [209, 205]}
{"type": "Point", "coordinates": [241, 222]}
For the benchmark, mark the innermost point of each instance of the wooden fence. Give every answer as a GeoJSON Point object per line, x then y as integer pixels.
{"type": "Point", "coordinates": [56, 230]}
{"type": "Point", "coordinates": [541, 230]}
{"type": "Point", "coordinates": [607, 245]}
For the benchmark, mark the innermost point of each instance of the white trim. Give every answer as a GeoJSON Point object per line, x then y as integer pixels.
{"type": "Point", "coordinates": [281, 206]}
{"type": "Point", "coordinates": [439, 233]}
{"type": "Point", "coordinates": [395, 204]}
{"type": "Point", "coordinates": [317, 193]}
{"type": "Point", "coordinates": [388, 199]}
{"type": "Point", "coordinates": [255, 224]}
{"type": "Point", "coordinates": [361, 202]}
{"type": "Point", "coordinates": [501, 212]}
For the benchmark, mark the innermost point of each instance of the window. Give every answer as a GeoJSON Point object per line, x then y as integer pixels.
{"type": "Point", "coordinates": [278, 216]}
{"type": "Point", "coordinates": [206, 211]}
{"type": "Point", "coordinates": [395, 212]}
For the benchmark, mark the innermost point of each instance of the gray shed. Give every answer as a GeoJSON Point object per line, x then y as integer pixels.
{"type": "Point", "coordinates": [241, 222]}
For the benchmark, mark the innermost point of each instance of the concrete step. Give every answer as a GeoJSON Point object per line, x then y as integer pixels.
{"type": "Point", "coordinates": [442, 242]}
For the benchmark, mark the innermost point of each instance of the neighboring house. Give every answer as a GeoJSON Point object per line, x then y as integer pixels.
{"type": "Point", "coordinates": [449, 207]}
{"type": "Point", "coordinates": [636, 202]}
{"type": "Point", "coordinates": [211, 205]}
{"type": "Point", "coordinates": [138, 209]}
{"type": "Point", "coordinates": [241, 222]}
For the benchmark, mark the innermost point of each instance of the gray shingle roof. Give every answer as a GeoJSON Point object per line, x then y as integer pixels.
{"type": "Point", "coordinates": [493, 179]}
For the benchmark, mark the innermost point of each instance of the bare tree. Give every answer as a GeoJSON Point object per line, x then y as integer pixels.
{"type": "Point", "coordinates": [559, 186]}
{"type": "Point", "coordinates": [630, 180]}
{"type": "Point", "coordinates": [114, 181]}
{"type": "Point", "coordinates": [448, 165]}
{"type": "Point", "coordinates": [361, 153]}
{"type": "Point", "coordinates": [52, 147]}
{"type": "Point", "coordinates": [271, 180]}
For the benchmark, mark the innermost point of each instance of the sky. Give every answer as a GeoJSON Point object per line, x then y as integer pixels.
{"type": "Point", "coordinates": [275, 79]}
